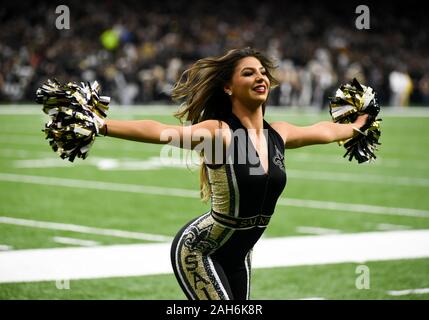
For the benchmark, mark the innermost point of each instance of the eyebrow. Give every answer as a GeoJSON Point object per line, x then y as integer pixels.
{"type": "Point", "coordinates": [251, 68]}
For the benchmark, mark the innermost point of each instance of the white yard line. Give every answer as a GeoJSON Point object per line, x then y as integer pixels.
{"type": "Point", "coordinates": [389, 227]}
{"type": "Point", "coordinates": [407, 292]}
{"type": "Point", "coordinates": [20, 110]}
{"type": "Point", "coordinates": [353, 207]}
{"type": "Point", "coordinates": [84, 229]}
{"type": "Point", "coordinates": [301, 155]}
{"type": "Point", "coordinates": [159, 163]}
{"type": "Point", "coordinates": [151, 163]}
{"type": "Point", "coordinates": [316, 230]}
{"type": "Point", "coordinates": [295, 156]}
{"type": "Point", "coordinates": [151, 259]}
{"type": "Point", "coordinates": [42, 163]}
{"type": "Point", "coordinates": [358, 178]}
{"type": "Point", "coordinates": [24, 153]}
{"type": "Point", "coordinates": [99, 185]}
{"type": "Point", "coordinates": [75, 242]}
{"type": "Point", "coordinates": [178, 192]}
{"type": "Point", "coordinates": [340, 248]}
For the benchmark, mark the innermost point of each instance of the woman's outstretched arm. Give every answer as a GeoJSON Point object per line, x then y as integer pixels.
{"type": "Point", "coordinates": [319, 133]}
{"type": "Point", "coordinates": [150, 131]}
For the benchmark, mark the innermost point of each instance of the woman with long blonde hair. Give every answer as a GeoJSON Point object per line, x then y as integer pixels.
{"type": "Point", "coordinates": [243, 171]}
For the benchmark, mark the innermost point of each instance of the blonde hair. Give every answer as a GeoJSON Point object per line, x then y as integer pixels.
{"type": "Point", "coordinates": [201, 89]}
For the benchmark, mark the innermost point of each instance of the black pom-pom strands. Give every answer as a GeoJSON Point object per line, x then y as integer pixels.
{"type": "Point", "coordinates": [350, 101]}
{"type": "Point", "coordinates": [76, 115]}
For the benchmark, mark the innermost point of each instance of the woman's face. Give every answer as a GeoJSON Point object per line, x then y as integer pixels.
{"type": "Point", "coordinates": [249, 84]}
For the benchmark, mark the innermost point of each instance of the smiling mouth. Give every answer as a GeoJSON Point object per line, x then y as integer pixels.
{"type": "Point", "coordinates": [260, 89]}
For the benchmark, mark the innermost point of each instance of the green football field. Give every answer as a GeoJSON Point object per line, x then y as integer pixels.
{"type": "Point", "coordinates": [123, 186]}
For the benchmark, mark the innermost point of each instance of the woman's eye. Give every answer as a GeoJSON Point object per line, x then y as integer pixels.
{"type": "Point", "coordinates": [246, 74]}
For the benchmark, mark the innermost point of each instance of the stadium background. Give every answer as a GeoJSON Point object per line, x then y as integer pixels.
{"type": "Point", "coordinates": [136, 50]}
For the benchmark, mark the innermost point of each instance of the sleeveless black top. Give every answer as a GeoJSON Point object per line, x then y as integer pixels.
{"type": "Point", "coordinates": [243, 195]}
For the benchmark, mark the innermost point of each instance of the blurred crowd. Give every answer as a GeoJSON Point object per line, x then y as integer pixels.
{"type": "Point", "coordinates": [138, 49]}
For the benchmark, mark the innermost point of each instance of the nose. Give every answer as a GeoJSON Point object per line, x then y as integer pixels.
{"type": "Point", "coordinates": [259, 77]}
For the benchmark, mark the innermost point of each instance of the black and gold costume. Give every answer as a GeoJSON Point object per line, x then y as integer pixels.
{"type": "Point", "coordinates": [211, 255]}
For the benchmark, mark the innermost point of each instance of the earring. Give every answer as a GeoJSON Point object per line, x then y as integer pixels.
{"type": "Point", "coordinates": [229, 93]}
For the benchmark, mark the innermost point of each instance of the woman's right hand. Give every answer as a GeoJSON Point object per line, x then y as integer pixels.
{"type": "Point", "coordinates": [361, 121]}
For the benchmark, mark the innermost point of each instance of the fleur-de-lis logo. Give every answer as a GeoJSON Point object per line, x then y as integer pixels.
{"type": "Point", "coordinates": [278, 159]}
{"type": "Point", "coordinates": [199, 239]}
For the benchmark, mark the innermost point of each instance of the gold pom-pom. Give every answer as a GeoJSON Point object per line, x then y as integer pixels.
{"type": "Point", "coordinates": [76, 112]}
{"type": "Point", "coordinates": [350, 101]}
